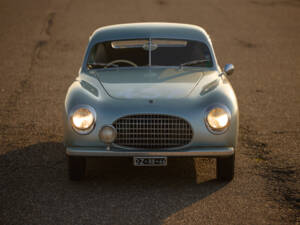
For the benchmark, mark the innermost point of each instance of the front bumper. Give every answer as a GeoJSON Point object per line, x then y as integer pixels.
{"type": "Point", "coordinates": [194, 152]}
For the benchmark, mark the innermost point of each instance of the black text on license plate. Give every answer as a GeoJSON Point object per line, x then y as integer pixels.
{"type": "Point", "coordinates": [150, 161]}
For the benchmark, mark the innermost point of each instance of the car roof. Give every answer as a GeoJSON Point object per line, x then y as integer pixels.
{"type": "Point", "coordinates": [147, 30]}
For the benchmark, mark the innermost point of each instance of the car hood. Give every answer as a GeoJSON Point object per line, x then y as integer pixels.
{"type": "Point", "coordinates": [151, 83]}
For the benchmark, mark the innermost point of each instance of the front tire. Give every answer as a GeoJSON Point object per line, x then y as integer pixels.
{"type": "Point", "coordinates": [225, 168]}
{"type": "Point", "coordinates": [76, 167]}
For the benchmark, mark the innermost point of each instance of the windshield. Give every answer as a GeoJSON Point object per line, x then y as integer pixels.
{"type": "Point", "coordinates": [152, 52]}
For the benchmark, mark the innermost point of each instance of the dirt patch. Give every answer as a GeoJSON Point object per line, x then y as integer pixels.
{"type": "Point", "coordinates": [161, 2]}
{"type": "Point", "coordinates": [246, 44]}
{"type": "Point", "coordinates": [292, 3]}
{"type": "Point", "coordinates": [281, 178]}
{"type": "Point", "coordinates": [255, 148]}
{"type": "Point", "coordinates": [50, 22]}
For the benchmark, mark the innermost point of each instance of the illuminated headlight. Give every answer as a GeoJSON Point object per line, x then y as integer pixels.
{"type": "Point", "coordinates": [218, 119]}
{"type": "Point", "coordinates": [83, 119]}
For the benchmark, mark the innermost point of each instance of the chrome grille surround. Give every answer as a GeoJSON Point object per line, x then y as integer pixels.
{"type": "Point", "coordinates": [152, 131]}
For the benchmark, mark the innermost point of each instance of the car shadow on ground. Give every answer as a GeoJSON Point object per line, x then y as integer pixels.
{"type": "Point", "coordinates": [35, 189]}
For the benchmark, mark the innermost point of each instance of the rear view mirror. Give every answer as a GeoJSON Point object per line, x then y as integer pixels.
{"type": "Point", "coordinates": [229, 69]}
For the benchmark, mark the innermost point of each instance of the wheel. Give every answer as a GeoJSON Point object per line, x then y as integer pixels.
{"type": "Point", "coordinates": [76, 167]}
{"type": "Point", "coordinates": [225, 168]}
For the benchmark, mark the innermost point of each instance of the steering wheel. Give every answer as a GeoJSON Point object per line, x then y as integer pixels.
{"type": "Point", "coordinates": [120, 61]}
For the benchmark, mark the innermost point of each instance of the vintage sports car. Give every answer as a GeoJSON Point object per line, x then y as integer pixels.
{"type": "Point", "coordinates": [151, 91]}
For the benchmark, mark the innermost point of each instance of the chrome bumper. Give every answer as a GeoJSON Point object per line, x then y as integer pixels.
{"type": "Point", "coordinates": [194, 152]}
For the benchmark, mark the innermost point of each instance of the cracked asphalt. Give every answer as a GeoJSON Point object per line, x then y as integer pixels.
{"type": "Point", "coordinates": [42, 44]}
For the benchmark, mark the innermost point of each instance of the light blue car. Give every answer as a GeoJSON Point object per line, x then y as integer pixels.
{"type": "Point", "coordinates": [150, 91]}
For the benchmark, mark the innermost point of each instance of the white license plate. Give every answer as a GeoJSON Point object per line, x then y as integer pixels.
{"type": "Point", "coordinates": [150, 161]}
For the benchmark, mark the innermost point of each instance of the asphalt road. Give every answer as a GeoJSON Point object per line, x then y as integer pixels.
{"type": "Point", "coordinates": [41, 48]}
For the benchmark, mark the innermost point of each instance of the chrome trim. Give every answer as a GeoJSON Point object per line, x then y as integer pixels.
{"type": "Point", "coordinates": [145, 149]}
{"type": "Point", "coordinates": [92, 110]}
{"type": "Point", "coordinates": [194, 152]}
{"type": "Point", "coordinates": [208, 109]}
{"type": "Point", "coordinates": [152, 131]}
{"type": "Point", "coordinates": [228, 69]}
{"type": "Point", "coordinates": [150, 53]}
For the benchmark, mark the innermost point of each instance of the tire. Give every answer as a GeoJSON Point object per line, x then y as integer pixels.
{"type": "Point", "coordinates": [76, 167]}
{"type": "Point", "coordinates": [225, 168]}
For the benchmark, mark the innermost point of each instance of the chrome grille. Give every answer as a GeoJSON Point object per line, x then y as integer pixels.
{"type": "Point", "coordinates": [152, 131]}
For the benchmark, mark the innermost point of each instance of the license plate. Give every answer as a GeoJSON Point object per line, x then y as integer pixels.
{"type": "Point", "coordinates": [150, 161]}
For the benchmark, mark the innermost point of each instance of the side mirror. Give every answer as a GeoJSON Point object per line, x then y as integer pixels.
{"type": "Point", "coordinates": [229, 69]}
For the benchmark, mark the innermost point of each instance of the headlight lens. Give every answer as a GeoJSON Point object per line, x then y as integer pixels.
{"type": "Point", "coordinates": [83, 120]}
{"type": "Point", "coordinates": [218, 119]}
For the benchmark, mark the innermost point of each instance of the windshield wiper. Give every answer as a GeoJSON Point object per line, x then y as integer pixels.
{"type": "Point", "coordinates": [194, 62]}
{"type": "Point", "coordinates": [101, 65]}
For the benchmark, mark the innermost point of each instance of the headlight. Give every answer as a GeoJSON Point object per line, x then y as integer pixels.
{"type": "Point", "coordinates": [83, 119]}
{"type": "Point", "coordinates": [218, 119]}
